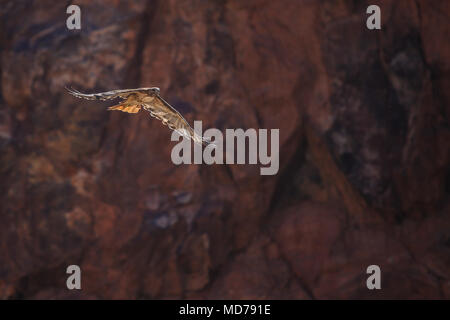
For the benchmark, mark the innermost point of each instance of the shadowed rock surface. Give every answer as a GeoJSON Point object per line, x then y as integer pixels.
{"type": "Point", "coordinates": [364, 150]}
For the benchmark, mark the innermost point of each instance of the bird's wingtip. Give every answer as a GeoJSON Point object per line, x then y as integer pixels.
{"type": "Point", "coordinates": [70, 89]}
{"type": "Point", "coordinates": [208, 143]}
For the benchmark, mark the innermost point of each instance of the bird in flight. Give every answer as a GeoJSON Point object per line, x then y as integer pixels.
{"type": "Point", "coordinates": [133, 100]}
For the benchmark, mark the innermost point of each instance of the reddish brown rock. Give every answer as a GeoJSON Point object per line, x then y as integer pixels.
{"type": "Point", "coordinates": [364, 151]}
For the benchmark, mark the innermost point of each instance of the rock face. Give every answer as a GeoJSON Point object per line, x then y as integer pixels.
{"type": "Point", "coordinates": [364, 150]}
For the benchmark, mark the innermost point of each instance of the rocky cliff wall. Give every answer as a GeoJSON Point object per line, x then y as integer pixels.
{"type": "Point", "coordinates": [364, 150]}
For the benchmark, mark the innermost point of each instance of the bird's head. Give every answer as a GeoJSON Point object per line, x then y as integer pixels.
{"type": "Point", "coordinates": [153, 91]}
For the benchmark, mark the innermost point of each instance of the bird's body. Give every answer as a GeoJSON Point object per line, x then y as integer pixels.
{"type": "Point", "coordinates": [133, 100]}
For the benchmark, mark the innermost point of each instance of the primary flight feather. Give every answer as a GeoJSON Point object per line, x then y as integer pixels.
{"type": "Point", "coordinates": [133, 100]}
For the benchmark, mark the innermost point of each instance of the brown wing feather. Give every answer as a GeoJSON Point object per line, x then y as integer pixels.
{"type": "Point", "coordinates": [170, 117]}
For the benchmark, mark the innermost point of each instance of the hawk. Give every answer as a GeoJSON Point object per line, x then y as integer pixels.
{"type": "Point", "coordinates": [133, 100]}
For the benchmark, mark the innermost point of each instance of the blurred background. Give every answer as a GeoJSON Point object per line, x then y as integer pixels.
{"type": "Point", "coordinates": [364, 150]}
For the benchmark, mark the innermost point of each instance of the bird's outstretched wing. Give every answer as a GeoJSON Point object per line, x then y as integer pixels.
{"type": "Point", "coordinates": [108, 95]}
{"type": "Point", "coordinates": [162, 110]}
